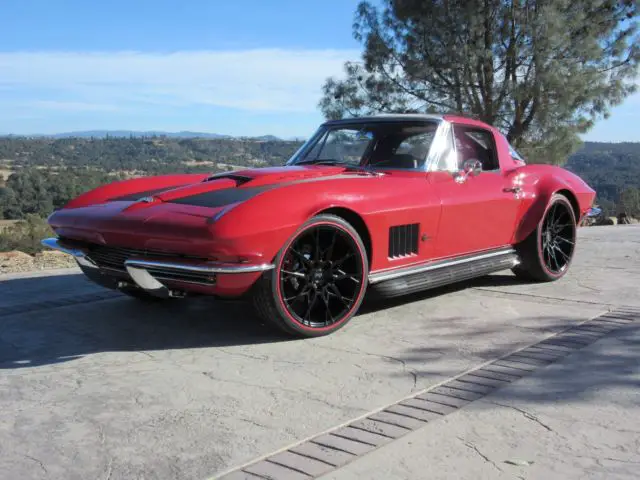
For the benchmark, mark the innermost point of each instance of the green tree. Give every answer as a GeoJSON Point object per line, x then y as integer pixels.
{"type": "Point", "coordinates": [607, 206]}
{"type": "Point", "coordinates": [630, 202]}
{"type": "Point", "coordinates": [543, 71]}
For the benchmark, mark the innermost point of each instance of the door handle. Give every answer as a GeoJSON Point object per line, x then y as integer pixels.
{"type": "Point", "coordinates": [512, 189]}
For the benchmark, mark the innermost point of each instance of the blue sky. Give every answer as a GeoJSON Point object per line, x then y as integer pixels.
{"type": "Point", "coordinates": [242, 67]}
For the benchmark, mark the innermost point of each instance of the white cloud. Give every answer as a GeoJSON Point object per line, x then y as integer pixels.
{"type": "Point", "coordinates": [273, 80]}
{"type": "Point", "coordinates": [72, 106]}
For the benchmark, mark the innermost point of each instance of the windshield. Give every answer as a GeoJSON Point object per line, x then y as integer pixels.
{"type": "Point", "coordinates": [386, 145]}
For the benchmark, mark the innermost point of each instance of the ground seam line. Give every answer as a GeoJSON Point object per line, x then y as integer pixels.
{"type": "Point", "coordinates": [546, 297]}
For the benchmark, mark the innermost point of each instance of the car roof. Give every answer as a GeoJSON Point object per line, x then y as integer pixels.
{"type": "Point", "coordinates": [387, 117]}
{"type": "Point", "coordinates": [405, 117]}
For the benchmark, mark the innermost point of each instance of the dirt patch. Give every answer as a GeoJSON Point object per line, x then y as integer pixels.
{"type": "Point", "coordinates": [16, 261]}
{"type": "Point", "coordinates": [196, 163]}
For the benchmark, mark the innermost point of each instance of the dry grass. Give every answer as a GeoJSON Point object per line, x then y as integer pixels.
{"type": "Point", "coordinates": [4, 224]}
{"type": "Point", "coordinates": [195, 163]}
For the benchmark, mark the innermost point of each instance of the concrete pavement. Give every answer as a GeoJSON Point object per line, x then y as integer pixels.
{"type": "Point", "coordinates": [578, 418]}
{"type": "Point", "coordinates": [114, 389]}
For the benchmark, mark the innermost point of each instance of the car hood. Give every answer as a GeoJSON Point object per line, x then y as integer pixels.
{"type": "Point", "coordinates": [228, 188]}
{"type": "Point", "coordinates": [187, 209]}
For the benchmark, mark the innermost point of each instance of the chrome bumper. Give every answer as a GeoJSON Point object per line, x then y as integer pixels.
{"type": "Point", "coordinates": [148, 273]}
{"type": "Point", "coordinates": [55, 244]}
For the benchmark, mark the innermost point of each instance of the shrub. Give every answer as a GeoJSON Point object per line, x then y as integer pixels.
{"type": "Point", "coordinates": [25, 235]}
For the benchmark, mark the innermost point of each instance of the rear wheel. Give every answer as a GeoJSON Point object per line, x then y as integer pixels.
{"type": "Point", "coordinates": [547, 252]}
{"type": "Point", "coordinates": [319, 279]}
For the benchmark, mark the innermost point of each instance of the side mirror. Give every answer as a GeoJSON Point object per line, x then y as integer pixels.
{"type": "Point", "coordinates": [470, 168]}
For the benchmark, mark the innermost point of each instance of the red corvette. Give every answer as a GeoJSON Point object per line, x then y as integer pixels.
{"type": "Point", "coordinates": [392, 204]}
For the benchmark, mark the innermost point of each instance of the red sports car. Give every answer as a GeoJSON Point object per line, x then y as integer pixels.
{"type": "Point", "coordinates": [392, 204]}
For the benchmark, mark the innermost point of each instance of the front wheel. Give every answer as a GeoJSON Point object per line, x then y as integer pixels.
{"type": "Point", "coordinates": [547, 252]}
{"type": "Point", "coordinates": [319, 279]}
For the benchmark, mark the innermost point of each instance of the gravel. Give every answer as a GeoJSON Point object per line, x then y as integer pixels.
{"type": "Point", "coordinates": [16, 261]}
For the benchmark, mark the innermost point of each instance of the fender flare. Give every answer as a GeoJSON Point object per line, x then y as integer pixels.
{"type": "Point", "coordinates": [536, 209]}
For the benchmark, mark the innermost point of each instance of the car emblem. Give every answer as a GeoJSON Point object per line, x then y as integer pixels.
{"type": "Point", "coordinates": [146, 200]}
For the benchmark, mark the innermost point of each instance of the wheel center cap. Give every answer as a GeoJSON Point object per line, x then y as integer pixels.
{"type": "Point", "coordinates": [318, 275]}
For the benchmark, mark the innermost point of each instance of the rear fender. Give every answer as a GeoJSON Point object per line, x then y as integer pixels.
{"type": "Point", "coordinates": [535, 203]}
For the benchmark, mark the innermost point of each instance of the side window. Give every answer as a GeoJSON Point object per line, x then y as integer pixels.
{"type": "Point", "coordinates": [475, 144]}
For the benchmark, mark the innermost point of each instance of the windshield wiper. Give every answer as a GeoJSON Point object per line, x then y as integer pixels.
{"type": "Point", "coordinates": [316, 161]}
{"type": "Point", "coordinates": [346, 165]}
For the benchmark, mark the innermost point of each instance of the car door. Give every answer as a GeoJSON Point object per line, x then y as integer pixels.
{"type": "Point", "coordinates": [478, 210]}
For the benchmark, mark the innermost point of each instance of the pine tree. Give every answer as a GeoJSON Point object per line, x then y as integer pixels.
{"type": "Point", "coordinates": [542, 71]}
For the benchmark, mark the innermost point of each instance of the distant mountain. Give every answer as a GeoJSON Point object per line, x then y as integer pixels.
{"type": "Point", "coordinates": [268, 138]}
{"type": "Point", "coordinates": [147, 133]}
{"type": "Point", "coordinates": [134, 133]}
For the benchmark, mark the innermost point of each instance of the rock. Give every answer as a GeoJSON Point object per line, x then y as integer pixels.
{"type": "Point", "coordinates": [15, 255]}
{"type": "Point", "coordinates": [16, 261]}
{"type": "Point", "coordinates": [53, 259]}
{"type": "Point", "coordinates": [53, 254]}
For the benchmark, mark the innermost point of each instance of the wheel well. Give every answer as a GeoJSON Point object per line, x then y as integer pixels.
{"type": "Point", "coordinates": [356, 222]}
{"type": "Point", "coordinates": [574, 202]}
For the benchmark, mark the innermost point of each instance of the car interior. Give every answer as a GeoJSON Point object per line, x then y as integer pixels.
{"type": "Point", "coordinates": [475, 144]}
{"type": "Point", "coordinates": [405, 148]}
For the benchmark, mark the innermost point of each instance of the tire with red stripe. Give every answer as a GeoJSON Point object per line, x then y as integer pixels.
{"type": "Point", "coordinates": [547, 253]}
{"type": "Point", "coordinates": [319, 279]}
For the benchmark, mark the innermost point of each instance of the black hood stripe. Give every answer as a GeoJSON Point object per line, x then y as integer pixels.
{"type": "Point", "coordinates": [221, 197]}
{"type": "Point", "coordinates": [134, 197]}
{"type": "Point", "coordinates": [227, 196]}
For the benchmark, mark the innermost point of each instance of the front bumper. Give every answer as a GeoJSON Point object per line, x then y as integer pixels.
{"type": "Point", "coordinates": [157, 276]}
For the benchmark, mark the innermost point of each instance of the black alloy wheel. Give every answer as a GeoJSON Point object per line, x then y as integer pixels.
{"type": "Point", "coordinates": [558, 238]}
{"type": "Point", "coordinates": [319, 280]}
{"type": "Point", "coordinates": [546, 254]}
{"type": "Point", "coordinates": [321, 276]}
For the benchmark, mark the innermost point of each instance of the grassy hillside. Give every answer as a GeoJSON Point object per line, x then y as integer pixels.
{"type": "Point", "coordinates": [610, 168]}
{"type": "Point", "coordinates": [38, 175]}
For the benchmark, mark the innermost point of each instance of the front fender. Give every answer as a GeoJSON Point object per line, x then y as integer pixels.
{"type": "Point", "coordinates": [261, 225]}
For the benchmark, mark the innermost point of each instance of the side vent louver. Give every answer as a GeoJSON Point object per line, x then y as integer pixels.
{"type": "Point", "coordinates": [403, 240]}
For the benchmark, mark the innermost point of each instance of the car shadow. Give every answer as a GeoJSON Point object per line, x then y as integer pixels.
{"type": "Point", "coordinates": [601, 366]}
{"type": "Point", "coordinates": [56, 328]}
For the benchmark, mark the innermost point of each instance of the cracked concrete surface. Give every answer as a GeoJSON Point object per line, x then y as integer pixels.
{"type": "Point", "coordinates": [577, 418]}
{"type": "Point", "coordinates": [115, 389]}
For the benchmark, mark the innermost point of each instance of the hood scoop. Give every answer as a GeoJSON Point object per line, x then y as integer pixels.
{"type": "Point", "coordinates": [239, 179]}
